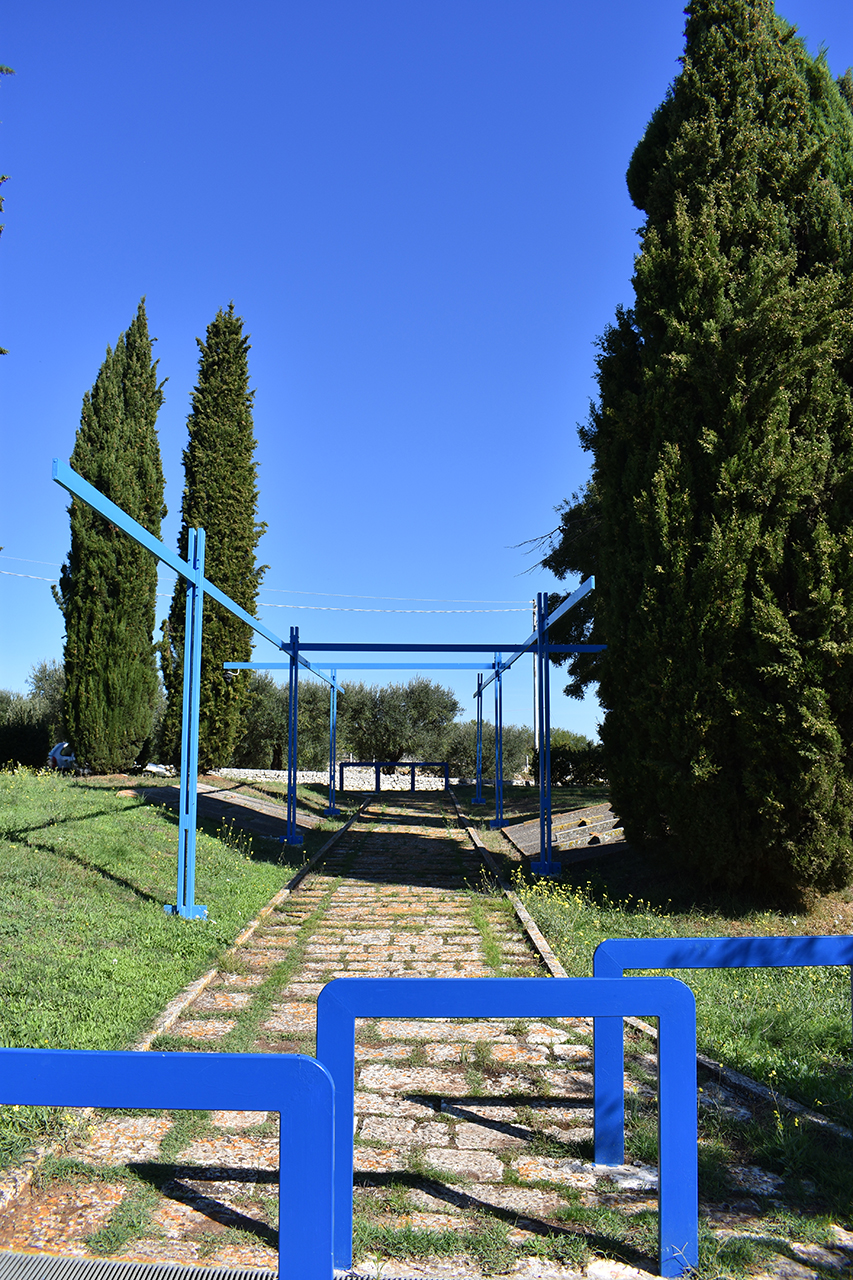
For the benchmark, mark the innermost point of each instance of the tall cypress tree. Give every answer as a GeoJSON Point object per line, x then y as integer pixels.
{"type": "Point", "coordinates": [220, 496]}
{"type": "Point", "coordinates": [722, 490]}
{"type": "Point", "coordinates": [108, 585]}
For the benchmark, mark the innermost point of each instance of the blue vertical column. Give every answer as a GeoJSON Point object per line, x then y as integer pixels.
{"type": "Point", "coordinates": [499, 820]}
{"type": "Point", "coordinates": [545, 866]}
{"type": "Point", "coordinates": [478, 793]}
{"type": "Point", "coordinates": [293, 834]}
{"type": "Point", "coordinates": [185, 904]}
{"type": "Point", "coordinates": [609, 1076]}
{"type": "Point", "coordinates": [331, 810]}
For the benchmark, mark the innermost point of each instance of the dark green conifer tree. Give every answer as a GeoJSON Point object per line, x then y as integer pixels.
{"type": "Point", "coordinates": [220, 496]}
{"type": "Point", "coordinates": [722, 489]}
{"type": "Point", "coordinates": [108, 585]}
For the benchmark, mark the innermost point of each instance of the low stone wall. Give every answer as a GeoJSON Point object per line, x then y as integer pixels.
{"type": "Point", "coordinates": [354, 779]}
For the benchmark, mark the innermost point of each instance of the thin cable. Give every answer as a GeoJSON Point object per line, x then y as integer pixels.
{"type": "Point", "coordinates": [24, 560]}
{"type": "Point", "coordinates": [338, 608]}
{"type": "Point", "coordinates": [33, 577]}
{"type": "Point", "coordinates": [354, 595]}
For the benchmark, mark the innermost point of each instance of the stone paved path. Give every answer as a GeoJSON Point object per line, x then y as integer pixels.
{"type": "Point", "coordinates": [472, 1141]}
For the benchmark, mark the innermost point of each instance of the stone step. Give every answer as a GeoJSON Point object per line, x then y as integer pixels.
{"type": "Point", "coordinates": [604, 831]}
{"type": "Point", "coordinates": [579, 828]}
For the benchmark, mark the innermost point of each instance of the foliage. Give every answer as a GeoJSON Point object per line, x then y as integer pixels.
{"type": "Point", "coordinates": [718, 519]}
{"type": "Point", "coordinates": [221, 497]}
{"type": "Point", "coordinates": [461, 751]}
{"type": "Point", "coordinates": [47, 691]}
{"type": "Point", "coordinates": [263, 736]}
{"type": "Point", "coordinates": [572, 766]}
{"type": "Point", "coordinates": [568, 738]}
{"type": "Point", "coordinates": [29, 726]}
{"type": "Point", "coordinates": [108, 584]}
{"type": "Point", "coordinates": [387, 722]}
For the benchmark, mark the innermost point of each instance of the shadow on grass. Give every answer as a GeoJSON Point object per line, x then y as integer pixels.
{"type": "Point", "coordinates": [458, 1197]}
{"type": "Point", "coordinates": [176, 1182]}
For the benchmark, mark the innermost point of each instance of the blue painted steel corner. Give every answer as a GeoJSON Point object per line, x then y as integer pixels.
{"type": "Point", "coordinates": [615, 955]}
{"type": "Point", "coordinates": [296, 1086]}
{"type": "Point", "coordinates": [345, 999]}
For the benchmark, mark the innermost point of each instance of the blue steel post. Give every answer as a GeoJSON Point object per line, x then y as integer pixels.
{"type": "Point", "coordinates": [478, 794]}
{"type": "Point", "coordinates": [293, 835]}
{"type": "Point", "coordinates": [499, 820]}
{"type": "Point", "coordinates": [331, 810]}
{"type": "Point", "coordinates": [608, 1048]}
{"type": "Point", "coordinates": [546, 865]}
{"type": "Point", "coordinates": [185, 905]}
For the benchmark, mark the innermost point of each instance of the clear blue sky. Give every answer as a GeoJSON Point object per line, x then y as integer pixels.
{"type": "Point", "coordinates": [419, 209]}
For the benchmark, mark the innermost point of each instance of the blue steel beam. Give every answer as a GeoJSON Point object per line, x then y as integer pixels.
{"type": "Point", "coordinates": [583, 590]}
{"type": "Point", "coordinates": [80, 488]}
{"type": "Point", "coordinates": [499, 820]}
{"type": "Point", "coordinates": [345, 999]}
{"type": "Point", "coordinates": [335, 646]}
{"type": "Point", "coordinates": [478, 793]}
{"type": "Point", "coordinates": [360, 666]}
{"type": "Point", "coordinates": [295, 1086]}
{"type": "Point", "coordinates": [613, 956]}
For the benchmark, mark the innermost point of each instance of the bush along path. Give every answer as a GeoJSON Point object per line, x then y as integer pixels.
{"type": "Point", "coordinates": [473, 1141]}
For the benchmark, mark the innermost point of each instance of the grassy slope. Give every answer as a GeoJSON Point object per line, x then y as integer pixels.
{"type": "Point", "coordinates": [789, 1028]}
{"type": "Point", "coordinates": [88, 957]}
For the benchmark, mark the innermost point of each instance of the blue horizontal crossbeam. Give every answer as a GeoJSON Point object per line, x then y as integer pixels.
{"type": "Point", "coordinates": [335, 646]}
{"type": "Point", "coordinates": [615, 955]}
{"type": "Point", "coordinates": [296, 1086]}
{"type": "Point", "coordinates": [362, 666]}
{"type": "Point", "coordinates": [345, 999]}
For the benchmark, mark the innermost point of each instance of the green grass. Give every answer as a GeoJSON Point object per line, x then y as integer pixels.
{"type": "Point", "coordinates": [788, 1028]}
{"type": "Point", "coordinates": [88, 957]}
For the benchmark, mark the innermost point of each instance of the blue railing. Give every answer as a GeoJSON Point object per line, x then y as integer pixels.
{"type": "Point", "coordinates": [345, 999]}
{"type": "Point", "coordinates": [297, 1087]}
{"type": "Point", "coordinates": [614, 956]}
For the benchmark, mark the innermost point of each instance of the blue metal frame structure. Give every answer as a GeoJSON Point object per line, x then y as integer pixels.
{"type": "Point", "coordinates": [345, 999]}
{"type": "Point", "coordinates": [192, 571]}
{"type": "Point", "coordinates": [296, 1086]}
{"type": "Point", "coordinates": [612, 957]}
{"type": "Point", "coordinates": [293, 835]}
{"type": "Point", "coordinates": [479, 798]}
{"type": "Point", "coordinates": [543, 649]}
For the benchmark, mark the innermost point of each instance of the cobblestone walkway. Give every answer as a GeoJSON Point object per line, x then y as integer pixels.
{"type": "Point", "coordinates": [473, 1145]}
{"type": "Point", "coordinates": [469, 1135]}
